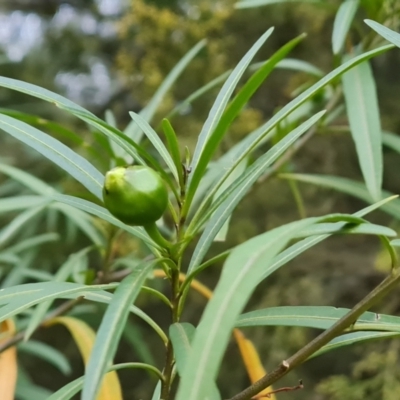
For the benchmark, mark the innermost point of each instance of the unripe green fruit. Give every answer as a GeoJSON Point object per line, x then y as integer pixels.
{"type": "Point", "coordinates": [136, 195]}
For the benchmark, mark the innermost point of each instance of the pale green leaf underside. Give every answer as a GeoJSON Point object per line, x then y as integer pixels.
{"type": "Point", "coordinates": [386, 33]}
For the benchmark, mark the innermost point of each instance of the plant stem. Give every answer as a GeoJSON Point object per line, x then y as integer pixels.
{"type": "Point", "coordinates": [155, 234]}
{"type": "Point", "coordinates": [169, 357]}
{"type": "Point", "coordinates": [303, 354]}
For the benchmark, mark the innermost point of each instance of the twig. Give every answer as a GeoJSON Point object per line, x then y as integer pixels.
{"type": "Point", "coordinates": [386, 286]}
{"type": "Point", "coordinates": [284, 389]}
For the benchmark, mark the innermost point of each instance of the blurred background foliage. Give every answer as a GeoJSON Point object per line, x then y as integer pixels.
{"type": "Point", "coordinates": [113, 55]}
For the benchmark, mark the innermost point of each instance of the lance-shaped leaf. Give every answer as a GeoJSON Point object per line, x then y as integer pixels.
{"type": "Point", "coordinates": [318, 317]}
{"type": "Point", "coordinates": [363, 113]}
{"type": "Point", "coordinates": [229, 200]}
{"type": "Point", "coordinates": [46, 353]}
{"type": "Point", "coordinates": [133, 130]}
{"type": "Point", "coordinates": [77, 166]}
{"type": "Point", "coordinates": [181, 336]}
{"type": "Point", "coordinates": [391, 140]}
{"type": "Point", "coordinates": [17, 203]}
{"type": "Point", "coordinates": [26, 179]}
{"type": "Point", "coordinates": [104, 214]}
{"type": "Point", "coordinates": [342, 23]}
{"type": "Point", "coordinates": [61, 276]}
{"type": "Point", "coordinates": [241, 274]}
{"type": "Point", "coordinates": [300, 247]}
{"type": "Point", "coordinates": [72, 388]}
{"type": "Point", "coordinates": [241, 150]}
{"type": "Point", "coordinates": [385, 32]}
{"type": "Point", "coordinates": [224, 96]}
{"type": "Point", "coordinates": [210, 138]}
{"type": "Point", "coordinates": [111, 328]}
{"type": "Point", "coordinates": [348, 186]}
{"type": "Point", "coordinates": [114, 134]}
{"type": "Point", "coordinates": [19, 298]}
{"type": "Point", "coordinates": [353, 338]}
{"type": "Point", "coordinates": [18, 222]}
{"type": "Point", "coordinates": [156, 142]}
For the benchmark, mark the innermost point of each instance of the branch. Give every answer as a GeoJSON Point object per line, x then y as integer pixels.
{"type": "Point", "coordinates": [386, 286]}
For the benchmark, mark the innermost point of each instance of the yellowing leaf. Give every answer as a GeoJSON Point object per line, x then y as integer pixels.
{"type": "Point", "coordinates": [252, 361]}
{"type": "Point", "coordinates": [84, 337]}
{"type": "Point", "coordinates": [8, 362]}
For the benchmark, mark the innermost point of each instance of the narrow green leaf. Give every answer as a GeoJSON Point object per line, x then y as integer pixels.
{"type": "Point", "coordinates": [361, 229]}
{"type": "Point", "coordinates": [238, 171]}
{"type": "Point", "coordinates": [348, 186]}
{"type": "Point", "coordinates": [229, 200]}
{"type": "Point", "coordinates": [77, 166]}
{"type": "Point", "coordinates": [105, 297]}
{"type": "Point", "coordinates": [28, 180]}
{"type": "Point", "coordinates": [132, 130]}
{"type": "Point", "coordinates": [9, 258]}
{"type": "Point", "coordinates": [157, 392]}
{"type": "Point", "coordinates": [318, 317]}
{"type": "Point", "coordinates": [391, 140]}
{"type": "Point", "coordinates": [198, 93]}
{"type": "Point", "coordinates": [173, 147]}
{"type": "Point", "coordinates": [293, 251]}
{"type": "Point", "coordinates": [240, 151]}
{"type": "Point", "coordinates": [134, 335]}
{"type": "Point", "coordinates": [72, 388]}
{"type": "Point", "coordinates": [117, 136]}
{"type": "Point", "coordinates": [156, 142]}
{"type": "Point", "coordinates": [33, 241]}
{"type": "Point", "coordinates": [215, 132]}
{"type": "Point", "coordinates": [352, 338]}
{"type": "Point", "coordinates": [104, 214]}
{"type": "Point", "coordinates": [111, 328]}
{"type": "Point", "coordinates": [17, 203]}
{"type": "Point", "coordinates": [18, 222]}
{"type": "Point", "coordinates": [363, 113]}
{"type": "Point", "coordinates": [181, 335]}
{"type": "Point", "coordinates": [386, 33]}
{"type": "Point", "coordinates": [18, 298]}
{"type": "Point", "coordinates": [296, 65]}
{"type": "Point", "coordinates": [61, 276]}
{"type": "Point", "coordinates": [82, 221]}
{"type": "Point", "coordinates": [223, 97]}
{"type": "Point", "coordinates": [46, 353]}
{"type": "Point", "coordinates": [241, 273]}
{"type": "Point", "coordinates": [342, 23]}
{"type": "Point", "coordinates": [27, 390]}
{"type": "Point", "coordinates": [53, 128]}
{"type": "Point", "coordinates": [17, 274]}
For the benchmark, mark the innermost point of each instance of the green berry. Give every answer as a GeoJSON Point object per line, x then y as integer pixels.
{"type": "Point", "coordinates": [136, 195]}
